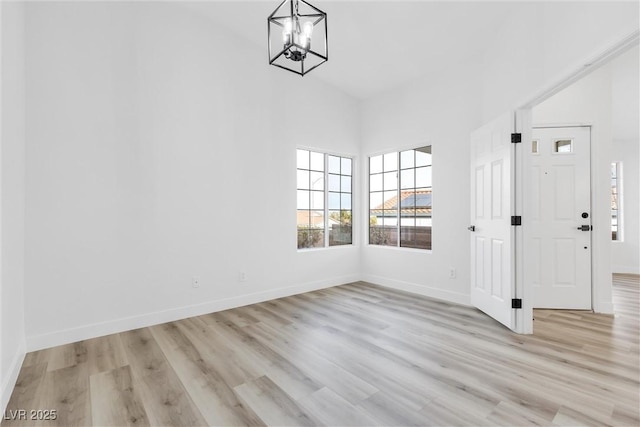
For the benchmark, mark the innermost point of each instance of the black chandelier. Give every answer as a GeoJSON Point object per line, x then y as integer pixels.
{"type": "Point", "coordinates": [291, 28]}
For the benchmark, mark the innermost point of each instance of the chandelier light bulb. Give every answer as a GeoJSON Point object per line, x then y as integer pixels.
{"type": "Point", "coordinates": [308, 29]}
{"type": "Point", "coordinates": [286, 31]}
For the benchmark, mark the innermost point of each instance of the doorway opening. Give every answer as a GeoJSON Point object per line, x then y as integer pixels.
{"type": "Point", "coordinates": [604, 104]}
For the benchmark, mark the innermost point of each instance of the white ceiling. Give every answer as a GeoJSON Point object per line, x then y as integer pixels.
{"type": "Point", "coordinates": [375, 46]}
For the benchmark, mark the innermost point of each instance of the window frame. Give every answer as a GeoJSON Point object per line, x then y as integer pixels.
{"type": "Point", "coordinates": [398, 190]}
{"type": "Point", "coordinates": [326, 210]}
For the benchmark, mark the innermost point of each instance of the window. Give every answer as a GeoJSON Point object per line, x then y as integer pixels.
{"type": "Point", "coordinates": [324, 199]}
{"type": "Point", "coordinates": [534, 146]}
{"type": "Point", "coordinates": [616, 201]}
{"type": "Point", "coordinates": [400, 199]}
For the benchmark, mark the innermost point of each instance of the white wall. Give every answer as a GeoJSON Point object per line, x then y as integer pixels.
{"type": "Point", "coordinates": [547, 43]}
{"type": "Point", "coordinates": [12, 187]}
{"type": "Point", "coordinates": [591, 100]}
{"type": "Point", "coordinates": [441, 113]}
{"type": "Point", "coordinates": [160, 148]}
{"type": "Point", "coordinates": [625, 87]}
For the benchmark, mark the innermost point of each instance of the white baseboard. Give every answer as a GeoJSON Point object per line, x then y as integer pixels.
{"type": "Point", "coordinates": [604, 307]}
{"type": "Point", "coordinates": [38, 342]}
{"type": "Point", "coordinates": [625, 269]}
{"type": "Point", "coordinates": [437, 293]}
{"type": "Point", "coordinates": [9, 383]}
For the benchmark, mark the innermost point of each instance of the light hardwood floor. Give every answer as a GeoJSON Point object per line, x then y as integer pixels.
{"type": "Point", "coordinates": [352, 355]}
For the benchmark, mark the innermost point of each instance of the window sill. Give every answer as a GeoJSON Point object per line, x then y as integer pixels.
{"type": "Point", "coordinates": [402, 249]}
{"type": "Point", "coordinates": [339, 247]}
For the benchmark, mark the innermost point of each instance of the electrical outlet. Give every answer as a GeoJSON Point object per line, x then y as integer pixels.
{"type": "Point", "coordinates": [452, 273]}
{"type": "Point", "coordinates": [195, 282]}
{"type": "Point", "coordinates": [242, 276]}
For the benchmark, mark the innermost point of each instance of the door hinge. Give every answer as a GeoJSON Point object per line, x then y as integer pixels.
{"type": "Point", "coordinates": [516, 138]}
{"type": "Point", "coordinates": [516, 220]}
{"type": "Point", "coordinates": [516, 303]}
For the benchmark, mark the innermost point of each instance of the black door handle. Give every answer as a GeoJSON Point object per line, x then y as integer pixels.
{"type": "Point", "coordinates": [584, 228]}
{"type": "Point", "coordinates": [471, 228]}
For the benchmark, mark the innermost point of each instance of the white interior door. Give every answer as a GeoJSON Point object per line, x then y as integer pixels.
{"type": "Point", "coordinates": [492, 205]}
{"type": "Point", "coordinates": [560, 205]}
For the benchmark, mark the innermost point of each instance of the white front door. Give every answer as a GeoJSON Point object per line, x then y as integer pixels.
{"type": "Point", "coordinates": [492, 205]}
{"type": "Point", "coordinates": [559, 217]}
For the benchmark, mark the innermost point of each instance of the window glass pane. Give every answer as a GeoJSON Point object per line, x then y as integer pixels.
{"type": "Point", "coordinates": [317, 180]}
{"type": "Point", "coordinates": [423, 177]}
{"type": "Point", "coordinates": [407, 159]}
{"type": "Point", "coordinates": [390, 200]}
{"type": "Point", "coordinates": [563, 146]}
{"type": "Point", "coordinates": [375, 182]}
{"type": "Point", "coordinates": [407, 178]}
{"type": "Point", "coordinates": [345, 201]}
{"type": "Point", "coordinates": [317, 200]}
{"type": "Point", "coordinates": [334, 201]}
{"type": "Point", "coordinates": [303, 159]}
{"type": "Point", "coordinates": [407, 220]}
{"type": "Point", "coordinates": [408, 202]}
{"type": "Point", "coordinates": [390, 181]}
{"type": "Point", "coordinates": [375, 164]}
{"type": "Point", "coordinates": [390, 162]}
{"type": "Point", "coordinates": [317, 161]}
{"type": "Point", "coordinates": [375, 202]}
{"type": "Point", "coordinates": [377, 235]}
{"type": "Point", "coordinates": [391, 221]}
{"type": "Point", "coordinates": [346, 166]}
{"type": "Point", "coordinates": [423, 198]}
{"type": "Point", "coordinates": [303, 199]}
{"type": "Point", "coordinates": [340, 228]}
{"type": "Point", "coordinates": [423, 156]}
{"type": "Point", "coordinates": [303, 218]}
{"type": "Point", "coordinates": [346, 184]}
{"type": "Point", "coordinates": [616, 220]}
{"type": "Point", "coordinates": [303, 179]}
{"type": "Point", "coordinates": [334, 182]}
{"type": "Point", "coordinates": [316, 231]}
{"type": "Point", "coordinates": [334, 164]}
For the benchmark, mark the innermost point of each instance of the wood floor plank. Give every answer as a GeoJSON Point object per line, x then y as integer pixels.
{"type": "Point", "coordinates": [201, 377]}
{"type": "Point", "coordinates": [25, 394]}
{"type": "Point", "coordinates": [115, 400]}
{"type": "Point", "coordinates": [164, 397]}
{"type": "Point", "coordinates": [66, 390]}
{"type": "Point", "coordinates": [321, 370]}
{"type": "Point", "coordinates": [357, 354]}
{"type": "Point", "coordinates": [273, 405]}
{"type": "Point", "coordinates": [332, 410]}
{"type": "Point", "coordinates": [105, 354]}
{"type": "Point", "coordinates": [280, 370]}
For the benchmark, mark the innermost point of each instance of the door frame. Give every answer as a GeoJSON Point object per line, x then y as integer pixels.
{"type": "Point", "coordinates": [527, 185]}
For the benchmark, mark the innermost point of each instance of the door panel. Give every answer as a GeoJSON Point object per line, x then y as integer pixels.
{"type": "Point", "coordinates": [560, 194]}
{"type": "Point", "coordinates": [492, 255]}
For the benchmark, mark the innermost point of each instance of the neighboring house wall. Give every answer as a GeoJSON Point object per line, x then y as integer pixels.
{"type": "Point", "coordinates": [162, 147]}
{"type": "Point", "coordinates": [12, 191]}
